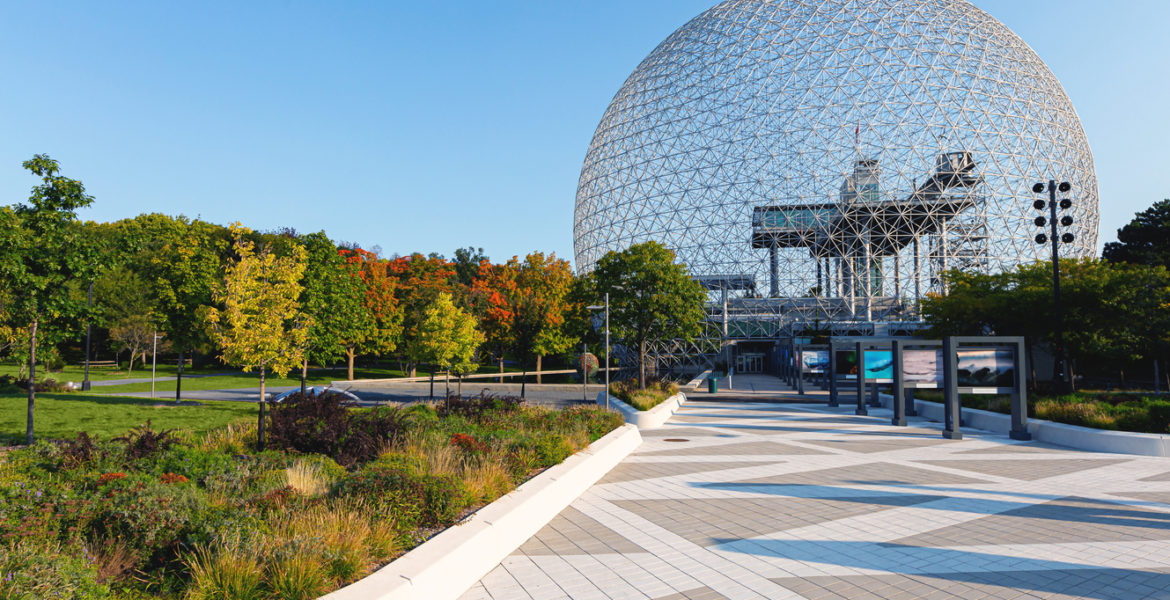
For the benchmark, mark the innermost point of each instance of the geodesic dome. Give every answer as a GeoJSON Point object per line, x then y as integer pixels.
{"type": "Point", "coordinates": [835, 149]}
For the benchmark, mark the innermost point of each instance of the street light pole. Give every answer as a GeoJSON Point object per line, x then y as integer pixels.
{"type": "Point", "coordinates": [606, 307]}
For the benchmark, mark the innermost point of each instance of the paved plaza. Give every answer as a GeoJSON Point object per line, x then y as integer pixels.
{"type": "Point", "coordinates": [753, 499]}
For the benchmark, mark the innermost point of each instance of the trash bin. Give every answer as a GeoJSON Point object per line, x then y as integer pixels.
{"type": "Point", "coordinates": [712, 385]}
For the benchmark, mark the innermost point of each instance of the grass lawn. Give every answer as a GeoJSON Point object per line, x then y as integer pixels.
{"type": "Point", "coordinates": [64, 415]}
{"type": "Point", "coordinates": [77, 372]}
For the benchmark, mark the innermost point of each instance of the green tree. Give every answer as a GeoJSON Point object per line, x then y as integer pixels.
{"type": "Point", "coordinates": [43, 250]}
{"type": "Point", "coordinates": [1145, 240]}
{"type": "Point", "coordinates": [124, 305]}
{"type": "Point", "coordinates": [448, 337]}
{"type": "Point", "coordinates": [651, 298]}
{"type": "Point", "coordinates": [333, 298]}
{"type": "Point", "coordinates": [467, 262]}
{"type": "Point", "coordinates": [540, 304]}
{"type": "Point", "coordinates": [260, 325]}
{"type": "Point", "coordinates": [181, 261]}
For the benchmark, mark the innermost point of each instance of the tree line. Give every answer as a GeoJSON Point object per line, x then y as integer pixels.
{"type": "Point", "coordinates": [279, 300]}
{"type": "Point", "coordinates": [1116, 308]}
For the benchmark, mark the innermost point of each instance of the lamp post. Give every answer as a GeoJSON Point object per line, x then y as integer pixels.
{"type": "Point", "coordinates": [1060, 368]}
{"type": "Point", "coordinates": [606, 307]}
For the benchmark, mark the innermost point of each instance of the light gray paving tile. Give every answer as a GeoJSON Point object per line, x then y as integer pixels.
{"type": "Point", "coordinates": [869, 473]}
{"type": "Point", "coordinates": [746, 448]}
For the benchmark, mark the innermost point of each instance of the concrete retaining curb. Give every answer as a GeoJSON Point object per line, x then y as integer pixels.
{"type": "Point", "coordinates": [447, 565]}
{"type": "Point", "coordinates": [645, 419]}
{"type": "Point", "coordinates": [1049, 432]}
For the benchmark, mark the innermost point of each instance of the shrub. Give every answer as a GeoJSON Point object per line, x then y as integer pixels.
{"type": "Point", "coordinates": [146, 513]}
{"type": "Point", "coordinates": [297, 577]}
{"type": "Point", "coordinates": [398, 488]}
{"type": "Point", "coordinates": [656, 392]}
{"type": "Point", "coordinates": [324, 424]}
{"type": "Point", "coordinates": [33, 569]}
{"type": "Point", "coordinates": [142, 441]}
{"type": "Point", "coordinates": [475, 406]}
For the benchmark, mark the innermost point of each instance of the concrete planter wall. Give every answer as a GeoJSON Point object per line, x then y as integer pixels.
{"type": "Point", "coordinates": [645, 419]}
{"type": "Point", "coordinates": [1071, 436]}
{"type": "Point", "coordinates": [447, 565]}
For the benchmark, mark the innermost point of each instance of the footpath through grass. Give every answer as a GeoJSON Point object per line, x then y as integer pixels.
{"type": "Point", "coordinates": [62, 416]}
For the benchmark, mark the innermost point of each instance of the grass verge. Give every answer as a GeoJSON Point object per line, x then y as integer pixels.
{"type": "Point", "coordinates": [1119, 412]}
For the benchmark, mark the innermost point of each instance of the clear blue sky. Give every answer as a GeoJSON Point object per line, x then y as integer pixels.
{"type": "Point", "coordinates": [427, 126]}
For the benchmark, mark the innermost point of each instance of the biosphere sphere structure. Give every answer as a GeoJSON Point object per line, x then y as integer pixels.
{"type": "Point", "coordinates": [828, 159]}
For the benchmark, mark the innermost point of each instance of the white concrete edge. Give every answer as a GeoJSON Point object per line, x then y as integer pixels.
{"type": "Point", "coordinates": [644, 419]}
{"type": "Point", "coordinates": [698, 380]}
{"type": "Point", "coordinates": [1050, 432]}
{"type": "Point", "coordinates": [447, 565]}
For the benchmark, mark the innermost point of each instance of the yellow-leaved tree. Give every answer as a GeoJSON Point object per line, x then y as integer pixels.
{"type": "Point", "coordinates": [448, 339]}
{"type": "Point", "coordinates": [259, 324]}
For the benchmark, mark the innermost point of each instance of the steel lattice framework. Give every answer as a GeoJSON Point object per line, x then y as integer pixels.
{"type": "Point", "coordinates": [828, 159]}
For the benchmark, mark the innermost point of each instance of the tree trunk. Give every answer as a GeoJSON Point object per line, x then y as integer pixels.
{"type": "Point", "coordinates": [263, 410]}
{"type": "Point", "coordinates": [642, 365]}
{"type": "Point", "coordinates": [432, 381]}
{"type": "Point", "coordinates": [414, 370]}
{"type": "Point", "coordinates": [447, 382]}
{"type": "Point", "coordinates": [304, 374]}
{"type": "Point", "coordinates": [461, 386]}
{"type": "Point", "coordinates": [539, 359]}
{"type": "Point", "coordinates": [179, 379]}
{"type": "Point", "coordinates": [349, 354]}
{"type": "Point", "coordinates": [32, 381]}
{"type": "Point", "coordinates": [501, 368]}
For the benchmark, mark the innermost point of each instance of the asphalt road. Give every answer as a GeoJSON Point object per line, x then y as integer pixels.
{"type": "Point", "coordinates": [552, 395]}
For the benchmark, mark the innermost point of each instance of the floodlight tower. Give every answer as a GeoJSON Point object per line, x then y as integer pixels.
{"type": "Point", "coordinates": [1060, 370]}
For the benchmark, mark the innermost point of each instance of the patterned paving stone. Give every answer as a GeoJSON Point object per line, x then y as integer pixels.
{"type": "Point", "coordinates": [879, 473]}
{"type": "Point", "coordinates": [1030, 448]}
{"type": "Point", "coordinates": [1067, 520]}
{"type": "Point", "coordinates": [717, 521]}
{"type": "Point", "coordinates": [673, 432]}
{"type": "Point", "coordinates": [572, 532]}
{"type": "Point", "coordinates": [1066, 584]}
{"type": "Point", "coordinates": [653, 470]}
{"type": "Point", "coordinates": [1162, 477]}
{"type": "Point", "coordinates": [884, 444]}
{"type": "Point", "coordinates": [979, 518]}
{"type": "Point", "coordinates": [1026, 470]}
{"type": "Point", "coordinates": [740, 448]}
{"type": "Point", "coordinates": [703, 593]}
{"type": "Point", "coordinates": [1159, 497]}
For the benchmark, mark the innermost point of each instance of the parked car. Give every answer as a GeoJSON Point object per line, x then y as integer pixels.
{"type": "Point", "coordinates": [319, 390]}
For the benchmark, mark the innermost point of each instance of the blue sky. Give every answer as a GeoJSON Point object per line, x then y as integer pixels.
{"type": "Point", "coordinates": [420, 126]}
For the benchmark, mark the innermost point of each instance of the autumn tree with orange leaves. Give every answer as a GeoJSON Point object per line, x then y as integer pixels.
{"type": "Point", "coordinates": [418, 282]}
{"type": "Point", "coordinates": [381, 330]}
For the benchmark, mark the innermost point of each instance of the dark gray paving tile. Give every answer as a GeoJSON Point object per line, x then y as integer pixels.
{"type": "Point", "coordinates": [879, 444]}
{"type": "Point", "coordinates": [1027, 469]}
{"type": "Point", "coordinates": [702, 593]}
{"type": "Point", "coordinates": [1162, 477]}
{"type": "Point", "coordinates": [573, 532]}
{"type": "Point", "coordinates": [1067, 520]}
{"type": "Point", "coordinates": [877, 473]}
{"type": "Point", "coordinates": [708, 522]}
{"type": "Point", "coordinates": [1159, 497]}
{"type": "Point", "coordinates": [628, 471]}
{"type": "Point", "coordinates": [1067, 584]}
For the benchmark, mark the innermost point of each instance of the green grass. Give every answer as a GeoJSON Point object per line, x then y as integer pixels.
{"type": "Point", "coordinates": [60, 416]}
{"type": "Point", "coordinates": [656, 393]}
{"type": "Point", "coordinates": [77, 373]}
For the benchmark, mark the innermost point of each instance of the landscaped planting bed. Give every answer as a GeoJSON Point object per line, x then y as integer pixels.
{"type": "Point", "coordinates": [339, 492]}
{"type": "Point", "coordinates": [1122, 412]}
{"type": "Point", "coordinates": [656, 393]}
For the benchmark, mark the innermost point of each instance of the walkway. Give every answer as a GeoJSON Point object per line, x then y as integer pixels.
{"type": "Point", "coordinates": [768, 500]}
